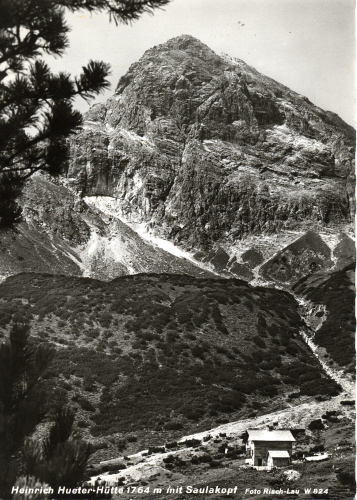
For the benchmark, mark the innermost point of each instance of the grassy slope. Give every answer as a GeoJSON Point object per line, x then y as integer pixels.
{"type": "Point", "coordinates": [336, 291]}
{"type": "Point", "coordinates": [166, 352]}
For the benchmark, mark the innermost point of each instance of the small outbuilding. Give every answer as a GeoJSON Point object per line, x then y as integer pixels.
{"type": "Point", "coordinates": [278, 458]}
{"type": "Point", "coordinates": [269, 448]}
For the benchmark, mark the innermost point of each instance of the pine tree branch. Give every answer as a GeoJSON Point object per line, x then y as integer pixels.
{"type": "Point", "coordinates": [36, 99]}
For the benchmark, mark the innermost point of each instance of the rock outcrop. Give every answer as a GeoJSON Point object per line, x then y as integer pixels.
{"type": "Point", "coordinates": [306, 255]}
{"type": "Point", "coordinates": [344, 252]}
{"type": "Point", "coordinates": [61, 234]}
{"type": "Point", "coordinates": [206, 150]}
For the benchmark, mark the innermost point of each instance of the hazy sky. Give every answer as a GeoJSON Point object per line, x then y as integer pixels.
{"type": "Point", "coordinates": [308, 45]}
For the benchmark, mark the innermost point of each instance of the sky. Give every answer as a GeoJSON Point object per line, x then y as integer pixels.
{"type": "Point", "coordinates": [307, 45]}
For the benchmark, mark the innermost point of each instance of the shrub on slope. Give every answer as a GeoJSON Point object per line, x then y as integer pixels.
{"type": "Point", "coordinates": [167, 348]}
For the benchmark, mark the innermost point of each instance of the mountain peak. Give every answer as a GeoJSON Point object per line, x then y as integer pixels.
{"type": "Point", "coordinates": [190, 138]}
{"type": "Point", "coordinates": [185, 43]}
{"type": "Point", "coordinates": [182, 42]}
{"type": "Point", "coordinates": [183, 39]}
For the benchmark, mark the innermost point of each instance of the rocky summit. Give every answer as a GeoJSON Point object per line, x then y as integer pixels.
{"type": "Point", "coordinates": [209, 152]}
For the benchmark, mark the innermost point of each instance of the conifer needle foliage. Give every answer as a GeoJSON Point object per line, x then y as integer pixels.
{"type": "Point", "coordinates": [36, 105]}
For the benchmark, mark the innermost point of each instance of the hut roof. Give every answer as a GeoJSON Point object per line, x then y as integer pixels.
{"type": "Point", "coordinates": [278, 454]}
{"type": "Point", "coordinates": [266, 435]}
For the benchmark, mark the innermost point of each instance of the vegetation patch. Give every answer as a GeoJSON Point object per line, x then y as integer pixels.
{"type": "Point", "coordinates": [166, 352]}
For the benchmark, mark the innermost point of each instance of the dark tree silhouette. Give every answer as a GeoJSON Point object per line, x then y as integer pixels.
{"type": "Point", "coordinates": [36, 106]}
{"type": "Point", "coordinates": [10, 189]}
{"type": "Point", "coordinates": [22, 399]}
{"type": "Point", "coordinates": [59, 459]}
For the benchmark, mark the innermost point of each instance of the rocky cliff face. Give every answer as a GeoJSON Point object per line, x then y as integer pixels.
{"type": "Point", "coordinates": [62, 234]}
{"type": "Point", "coordinates": [205, 149]}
